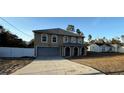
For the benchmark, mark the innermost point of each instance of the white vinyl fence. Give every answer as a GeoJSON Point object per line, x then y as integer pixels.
{"type": "Point", "coordinates": [16, 52]}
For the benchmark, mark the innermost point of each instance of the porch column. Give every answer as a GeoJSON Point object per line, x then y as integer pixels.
{"type": "Point", "coordinates": [63, 51]}
{"type": "Point", "coordinates": [72, 51]}
{"type": "Point", "coordinates": [78, 51]}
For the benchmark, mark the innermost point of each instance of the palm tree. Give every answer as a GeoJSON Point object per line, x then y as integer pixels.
{"type": "Point", "coordinates": [89, 38]}
{"type": "Point", "coordinates": [70, 28]}
{"type": "Point", "coordinates": [78, 31]}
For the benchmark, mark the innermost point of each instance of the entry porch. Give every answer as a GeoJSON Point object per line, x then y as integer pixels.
{"type": "Point", "coordinates": [73, 50]}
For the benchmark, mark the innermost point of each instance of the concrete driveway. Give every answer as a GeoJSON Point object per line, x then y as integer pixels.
{"type": "Point", "coordinates": [55, 66]}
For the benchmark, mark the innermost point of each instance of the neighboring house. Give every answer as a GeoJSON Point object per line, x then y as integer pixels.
{"type": "Point", "coordinates": [100, 48]}
{"type": "Point", "coordinates": [121, 49]}
{"type": "Point", "coordinates": [106, 48]}
{"type": "Point", "coordinates": [58, 42]}
{"type": "Point", "coordinates": [115, 47]}
{"type": "Point", "coordinates": [94, 48]}
{"type": "Point", "coordinates": [122, 38]}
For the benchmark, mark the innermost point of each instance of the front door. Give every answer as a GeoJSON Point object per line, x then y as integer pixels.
{"type": "Point", "coordinates": [67, 51]}
{"type": "Point", "coordinates": [75, 51]}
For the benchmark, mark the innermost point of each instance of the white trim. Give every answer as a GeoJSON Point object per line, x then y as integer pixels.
{"type": "Point", "coordinates": [52, 38]}
{"type": "Point", "coordinates": [46, 38]}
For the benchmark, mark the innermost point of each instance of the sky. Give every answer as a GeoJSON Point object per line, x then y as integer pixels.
{"type": "Point", "coordinates": [98, 27]}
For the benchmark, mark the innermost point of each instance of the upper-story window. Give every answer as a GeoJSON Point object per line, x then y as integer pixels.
{"type": "Point", "coordinates": [65, 39]}
{"type": "Point", "coordinates": [54, 39]}
{"type": "Point", "coordinates": [73, 39]}
{"type": "Point", "coordinates": [44, 38]}
{"type": "Point", "coordinates": [80, 40]}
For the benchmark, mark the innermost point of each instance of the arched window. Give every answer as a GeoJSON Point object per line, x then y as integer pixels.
{"type": "Point", "coordinates": [44, 38]}
{"type": "Point", "coordinates": [80, 40]}
{"type": "Point", "coordinates": [65, 39]}
{"type": "Point", "coordinates": [54, 39]}
{"type": "Point", "coordinates": [73, 39]}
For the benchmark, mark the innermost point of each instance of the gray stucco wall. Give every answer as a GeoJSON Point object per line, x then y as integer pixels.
{"type": "Point", "coordinates": [38, 42]}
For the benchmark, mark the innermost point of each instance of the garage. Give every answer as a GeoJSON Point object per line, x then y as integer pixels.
{"type": "Point", "coordinates": [45, 51]}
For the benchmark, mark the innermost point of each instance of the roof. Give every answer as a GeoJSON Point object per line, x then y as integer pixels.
{"type": "Point", "coordinates": [100, 44]}
{"type": "Point", "coordinates": [57, 31]}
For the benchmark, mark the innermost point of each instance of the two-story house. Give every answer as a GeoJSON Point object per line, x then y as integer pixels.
{"type": "Point", "coordinates": [58, 42]}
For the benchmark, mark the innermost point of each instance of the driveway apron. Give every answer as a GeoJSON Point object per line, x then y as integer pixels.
{"type": "Point", "coordinates": [55, 66]}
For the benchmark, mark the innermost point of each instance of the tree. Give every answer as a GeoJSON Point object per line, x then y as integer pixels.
{"type": "Point", "coordinates": [93, 41]}
{"type": "Point", "coordinates": [1, 30]}
{"type": "Point", "coordinates": [1, 27]}
{"type": "Point", "coordinates": [100, 41]}
{"type": "Point", "coordinates": [115, 41]}
{"type": "Point", "coordinates": [78, 31]}
{"type": "Point", "coordinates": [70, 28]}
{"type": "Point", "coordinates": [31, 43]}
{"type": "Point", "coordinates": [7, 39]}
{"type": "Point", "coordinates": [89, 38]}
{"type": "Point", "coordinates": [82, 34]}
{"type": "Point", "coordinates": [104, 38]}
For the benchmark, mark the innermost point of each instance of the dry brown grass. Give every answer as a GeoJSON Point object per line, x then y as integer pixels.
{"type": "Point", "coordinates": [107, 63]}
{"type": "Point", "coordinates": [8, 66]}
